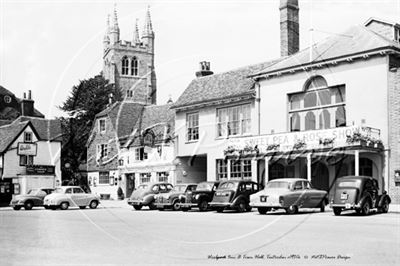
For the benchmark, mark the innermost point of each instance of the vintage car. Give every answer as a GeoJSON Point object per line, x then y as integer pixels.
{"type": "Point", "coordinates": [70, 196]}
{"type": "Point", "coordinates": [144, 194]}
{"type": "Point", "coordinates": [289, 194]}
{"type": "Point", "coordinates": [170, 200]}
{"type": "Point", "coordinates": [359, 193]}
{"type": "Point", "coordinates": [33, 198]}
{"type": "Point", "coordinates": [234, 195]}
{"type": "Point", "coordinates": [200, 197]}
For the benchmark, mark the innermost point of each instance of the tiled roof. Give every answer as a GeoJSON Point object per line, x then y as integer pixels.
{"type": "Point", "coordinates": [47, 129]}
{"type": "Point", "coordinates": [219, 86]}
{"type": "Point", "coordinates": [4, 91]}
{"type": "Point", "coordinates": [129, 117]}
{"type": "Point", "coordinates": [356, 40]}
{"type": "Point", "coordinates": [8, 133]}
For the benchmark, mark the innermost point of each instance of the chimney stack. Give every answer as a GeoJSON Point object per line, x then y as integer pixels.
{"type": "Point", "coordinates": [204, 69]}
{"type": "Point", "coordinates": [289, 10]}
{"type": "Point", "coordinates": [27, 105]}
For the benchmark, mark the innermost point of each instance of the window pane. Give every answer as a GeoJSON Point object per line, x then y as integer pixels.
{"type": "Point", "coordinates": [340, 117]}
{"type": "Point", "coordinates": [222, 171]}
{"type": "Point", "coordinates": [310, 99]}
{"type": "Point", "coordinates": [324, 97]}
{"type": "Point", "coordinates": [310, 121]}
{"type": "Point", "coordinates": [295, 102]}
{"type": "Point", "coordinates": [324, 120]}
{"type": "Point", "coordinates": [340, 94]}
{"type": "Point", "coordinates": [295, 122]}
{"type": "Point", "coordinates": [317, 82]}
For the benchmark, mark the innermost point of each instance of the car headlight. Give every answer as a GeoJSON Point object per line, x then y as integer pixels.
{"type": "Point", "coordinates": [197, 196]}
{"type": "Point", "coordinates": [168, 197]}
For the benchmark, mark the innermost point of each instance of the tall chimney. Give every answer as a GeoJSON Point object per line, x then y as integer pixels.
{"type": "Point", "coordinates": [204, 69]}
{"type": "Point", "coordinates": [27, 105]}
{"type": "Point", "coordinates": [289, 10]}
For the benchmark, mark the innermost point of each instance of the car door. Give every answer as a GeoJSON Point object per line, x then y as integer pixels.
{"type": "Point", "coordinates": [310, 196]}
{"type": "Point", "coordinates": [297, 195]}
{"type": "Point", "coordinates": [69, 195]}
{"type": "Point", "coordinates": [79, 197]}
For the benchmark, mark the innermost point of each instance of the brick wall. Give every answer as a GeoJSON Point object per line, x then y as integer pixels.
{"type": "Point", "coordinates": [394, 133]}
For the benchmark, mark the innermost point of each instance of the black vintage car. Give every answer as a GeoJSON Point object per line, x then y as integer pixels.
{"type": "Point", "coordinates": [234, 195]}
{"type": "Point", "coordinates": [200, 197]}
{"type": "Point", "coordinates": [359, 193]}
{"type": "Point", "coordinates": [170, 200]}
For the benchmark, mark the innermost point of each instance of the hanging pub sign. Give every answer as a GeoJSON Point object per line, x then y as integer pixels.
{"type": "Point", "coordinates": [40, 169]}
{"type": "Point", "coordinates": [27, 148]}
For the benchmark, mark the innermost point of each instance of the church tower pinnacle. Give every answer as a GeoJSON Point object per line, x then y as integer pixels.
{"type": "Point", "coordinates": [106, 39]}
{"type": "Point", "coordinates": [114, 30]}
{"type": "Point", "coordinates": [136, 38]}
{"type": "Point", "coordinates": [148, 34]}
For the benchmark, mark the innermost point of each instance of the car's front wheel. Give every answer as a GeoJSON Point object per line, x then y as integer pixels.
{"type": "Point", "coordinates": [203, 205]}
{"type": "Point", "coordinates": [64, 205]}
{"type": "Point", "coordinates": [152, 206]}
{"type": "Point", "coordinates": [93, 204]}
{"type": "Point", "coordinates": [322, 206]}
{"type": "Point", "coordinates": [293, 209]}
{"type": "Point", "coordinates": [337, 211]}
{"type": "Point", "coordinates": [242, 206]}
{"type": "Point", "coordinates": [384, 208]}
{"type": "Point", "coordinates": [137, 207]}
{"type": "Point", "coordinates": [176, 206]}
{"type": "Point", "coordinates": [28, 205]}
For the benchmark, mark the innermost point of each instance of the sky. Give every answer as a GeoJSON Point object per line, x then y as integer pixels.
{"type": "Point", "coordinates": [49, 46]}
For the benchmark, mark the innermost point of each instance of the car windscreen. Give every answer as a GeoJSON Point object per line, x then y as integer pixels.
{"type": "Point", "coordinates": [228, 185]}
{"type": "Point", "coordinates": [179, 188]}
{"type": "Point", "coordinates": [205, 186]}
{"type": "Point", "coordinates": [32, 192]}
{"type": "Point", "coordinates": [349, 183]}
{"type": "Point", "coordinates": [278, 184]}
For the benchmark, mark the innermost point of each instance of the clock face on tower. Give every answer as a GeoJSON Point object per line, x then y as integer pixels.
{"type": "Point", "coordinates": [7, 99]}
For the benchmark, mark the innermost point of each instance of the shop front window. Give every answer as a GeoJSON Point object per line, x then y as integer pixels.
{"type": "Point", "coordinates": [241, 169]}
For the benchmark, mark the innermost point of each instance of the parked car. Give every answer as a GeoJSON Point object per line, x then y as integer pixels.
{"type": "Point", "coordinates": [70, 196]}
{"type": "Point", "coordinates": [200, 197]}
{"type": "Point", "coordinates": [170, 200]}
{"type": "Point", "coordinates": [234, 195]}
{"type": "Point", "coordinates": [359, 193]}
{"type": "Point", "coordinates": [144, 194]}
{"type": "Point", "coordinates": [33, 198]}
{"type": "Point", "coordinates": [289, 194]}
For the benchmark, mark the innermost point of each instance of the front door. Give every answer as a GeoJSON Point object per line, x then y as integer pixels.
{"type": "Point", "coordinates": [130, 184]}
{"type": "Point", "coordinates": [320, 176]}
{"type": "Point", "coordinates": [6, 191]}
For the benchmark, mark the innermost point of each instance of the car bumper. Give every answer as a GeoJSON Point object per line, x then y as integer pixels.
{"type": "Point", "coordinates": [266, 205]}
{"type": "Point", "coordinates": [162, 205]}
{"type": "Point", "coordinates": [16, 204]}
{"type": "Point", "coordinates": [220, 205]}
{"type": "Point", "coordinates": [188, 205]}
{"type": "Point", "coordinates": [347, 206]}
{"type": "Point", "coordinates": [136, 202]}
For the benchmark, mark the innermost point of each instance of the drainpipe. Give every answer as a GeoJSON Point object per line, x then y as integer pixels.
{"type": "Point", "coordinates": [258, 107]}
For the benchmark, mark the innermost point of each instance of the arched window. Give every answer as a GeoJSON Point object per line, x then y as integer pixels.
{"type": "Point", "coordinates": [315, 82]}
{"type": "Point", "coordinates": [134, 67]}
{"type": "Point", "coordinates": [125, 65]}
{"type": "Point", "coordinates": [310, 121]}
{"type": "Point", "coordinates": [276, 170]}
{"type": "Point", "coordinates": [295, 122]}
{"type": "Point", "coordinates": [340, 117]}
{"type": "Point", "coordinates": [324, 119]}
{"type": "Point", "coordinates": [340, 95]}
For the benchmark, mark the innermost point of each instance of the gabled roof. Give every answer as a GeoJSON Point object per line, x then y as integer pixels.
{"type": "Point", "coordinates": [47, 129]}
{"type": "Point", "coordinates": [221, 86]}
{"type": "Point", "coordinates": [124, 116]}
{"type": "Point", "coordinates": [9, 133]}
{"type": "Point", "coordinates": [379, 20]}
{"type": "Point", "coordinates": [44, 129]}
{"type": "Point", "coordinates": [356, 41]}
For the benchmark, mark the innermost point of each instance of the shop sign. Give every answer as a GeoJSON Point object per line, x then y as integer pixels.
{"type": "Point", "coordinates": [27, 148]}
{"type": "Point", "coordinates": [40, 169]}
{"type": "Point", "coordinates": [312, 138]}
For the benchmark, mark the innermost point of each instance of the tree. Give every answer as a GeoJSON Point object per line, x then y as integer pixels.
{"type": "Point", "coordinates": [87, 99]}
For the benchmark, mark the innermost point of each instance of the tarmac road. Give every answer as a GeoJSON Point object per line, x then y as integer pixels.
{"type": "Point", "coordinates": [119, 235]}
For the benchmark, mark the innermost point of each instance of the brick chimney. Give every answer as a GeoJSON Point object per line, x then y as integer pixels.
{"type": "Point", "coordinates": [204, 69]}
{"type": "Point", "coordinates": [27, 105]}
{"type": "Point", "coordinates": [289, 10]}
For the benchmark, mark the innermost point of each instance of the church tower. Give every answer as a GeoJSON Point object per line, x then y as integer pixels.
{"type": "Point", "coordinates": [130, 64]}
